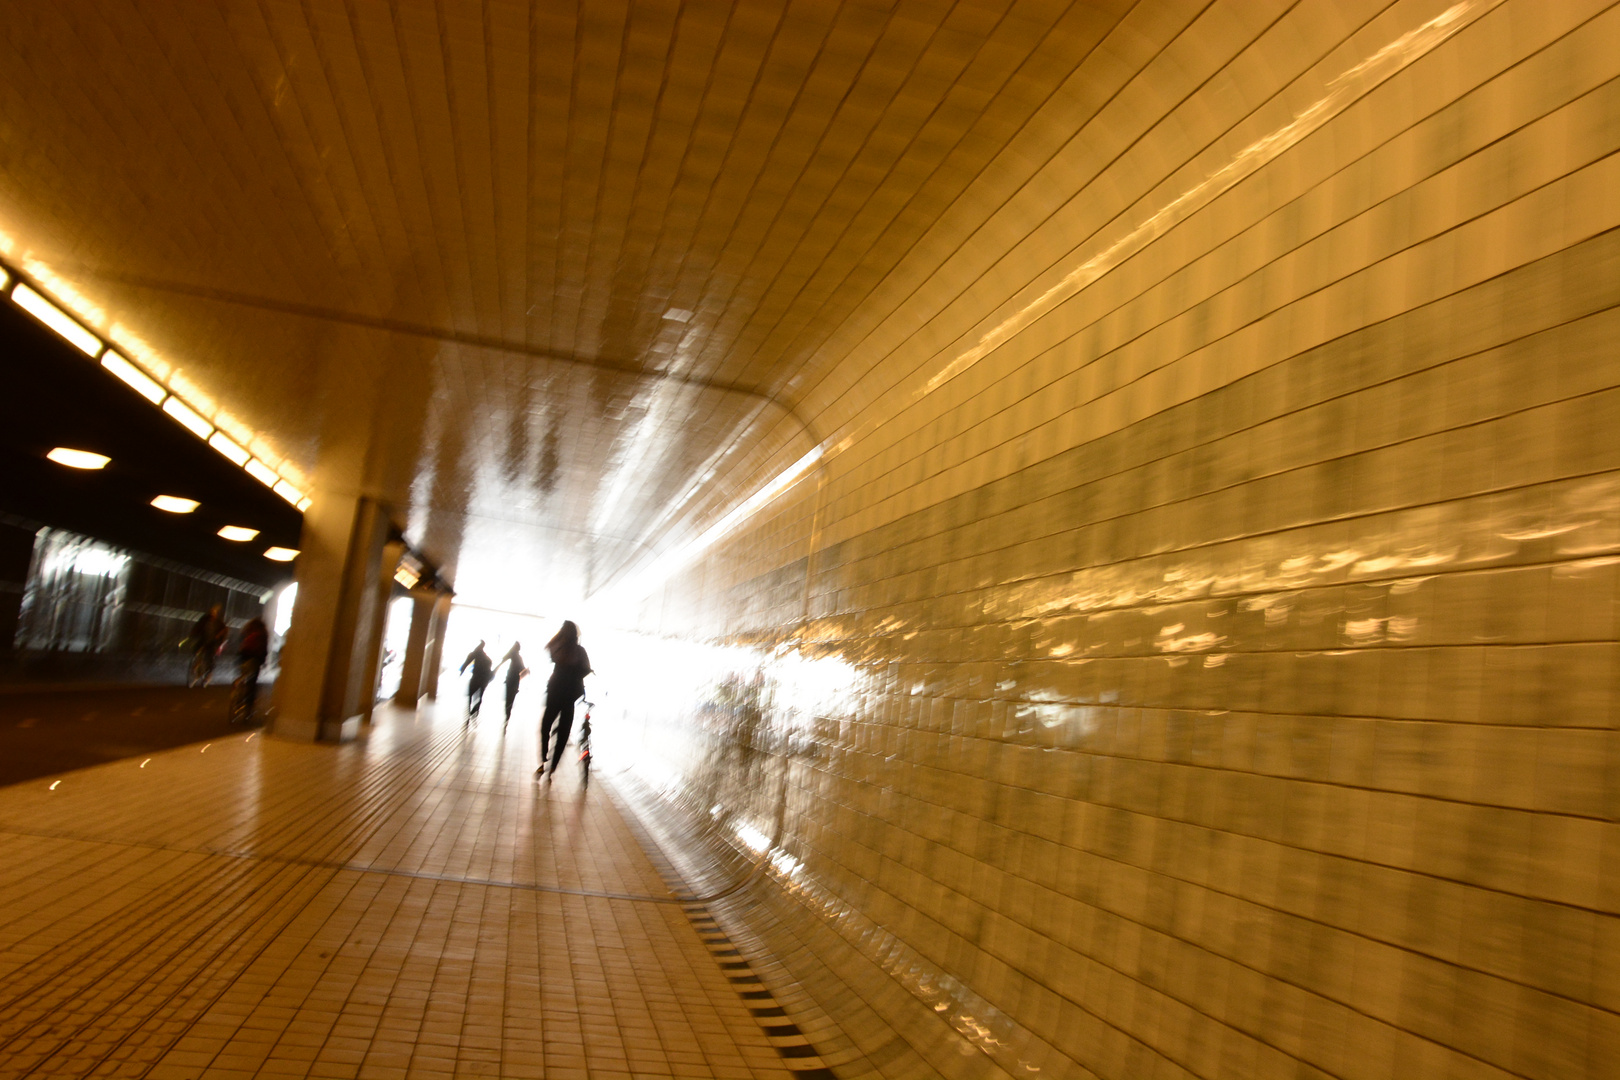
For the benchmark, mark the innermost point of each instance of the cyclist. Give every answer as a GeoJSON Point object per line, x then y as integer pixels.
{"type": "Point", "coordinates": [208, 636]}
{"type": "Point", "coordinates": [251, 650]}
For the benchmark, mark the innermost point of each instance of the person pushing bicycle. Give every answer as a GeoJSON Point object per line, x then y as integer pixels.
{"type": "Point", "coordinates": [252, 649]}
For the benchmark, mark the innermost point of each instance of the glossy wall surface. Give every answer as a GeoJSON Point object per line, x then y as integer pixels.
{"type": "Point", "coordinates": [1216, 676]}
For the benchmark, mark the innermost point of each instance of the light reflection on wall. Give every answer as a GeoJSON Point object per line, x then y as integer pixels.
{"type": "Point", "coordinates": [752, 716]}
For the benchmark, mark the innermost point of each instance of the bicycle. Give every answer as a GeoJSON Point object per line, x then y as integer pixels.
{"type": "Point", "coordinates": [202, 668]}
{"type": "Point", "coordinates": [244, 691]}
{"type": "Point", "coordinates": [585, 748]}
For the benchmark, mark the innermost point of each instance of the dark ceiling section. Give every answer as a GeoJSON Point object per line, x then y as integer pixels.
{"type": "Point", "coordinates": [54, 396]}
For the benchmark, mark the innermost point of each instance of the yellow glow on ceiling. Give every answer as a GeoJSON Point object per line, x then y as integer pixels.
{"type": "Point", "coordinates": [281, 554]}
{"type": "Point", "coordinates": [190, 408]}
{"type": "Point", "coordinates": [226, 446]}
{"type": "Point", "coordinates": [174, 504]}
{"type": "Point", "coordinates": [188, 417]}
{"type": "Point", "coordinates": [263, 473]}
{"type": "Point", "coordinates": [142, 383]}
{"type": "Point", "coordinates": [57, 319]}
{"type": "Point", "coordinates": [238, 532]}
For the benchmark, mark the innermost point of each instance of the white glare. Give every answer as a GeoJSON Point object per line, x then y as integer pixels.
{"type": "Point", "coordinates": [78, 459]}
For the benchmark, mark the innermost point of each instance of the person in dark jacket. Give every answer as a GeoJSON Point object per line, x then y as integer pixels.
{"type": "Point", "coordinates": [514, 675]}
{"type": "Point", "coordinates": [482, 669]}
{"type": "Point", "coordinates": [208, 636]}
{"type": "Point", "coordinates": [569, 666]}
{"type": "Point", "coordinates": [252, 649]}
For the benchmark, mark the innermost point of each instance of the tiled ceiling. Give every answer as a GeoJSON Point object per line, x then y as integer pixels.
{"type": "Point", "coordinates": [568, 257]}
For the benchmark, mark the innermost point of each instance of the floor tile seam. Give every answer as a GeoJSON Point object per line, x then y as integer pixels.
{"type": "Point", "coordinates": [385, 787]}
{"type": "Point", "coordinates": [29, 905]}
{"type": "Point", "coordinates": [294, 878]}
{"type": "Point", "coordinates": [59, 862]}
{"type": "Point", "coordinates": [797, 1053]}
{"type": "Point", "coordinates": [663, 959]}
{"type": "Point", "coordinates": [141, 913]}
{"type": "Point", "coordinates": [299, 811]}
{"type": "Point", "coordinates": [381, 788]}
{"type": "Point", "coordinates": [164, 965]}
{"type": "Point", "coordinates": [444, 748]}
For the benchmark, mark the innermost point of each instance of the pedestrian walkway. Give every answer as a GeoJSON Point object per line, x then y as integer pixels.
{"type": "Point", "coordinates": [412, 905]}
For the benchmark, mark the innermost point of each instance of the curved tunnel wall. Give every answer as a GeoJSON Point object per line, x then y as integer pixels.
{"type": "Point", "coordinates": [1261, 729]}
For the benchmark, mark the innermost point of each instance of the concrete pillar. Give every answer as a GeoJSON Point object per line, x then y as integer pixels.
{"type": "Point", "coordinates": [411, 666]}
{"type": "Point", "coordinates": [328, 664]}
{"type": "Point", "coordinates": [379, 616]}
{"type": "Point", "coordinates": [434, 661]}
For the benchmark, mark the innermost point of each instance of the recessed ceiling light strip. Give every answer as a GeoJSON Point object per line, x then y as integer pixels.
{"type": "Point", "coordinates": [59, 319]}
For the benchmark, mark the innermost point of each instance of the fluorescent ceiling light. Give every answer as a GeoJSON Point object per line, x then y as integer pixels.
{"type": "Point", "coordinates": [78, 459]}
{"type": "Point", "coordinates": [174, 504]}
{"type": "Point", "coordinates": [5, 278]}
{"type": "Point", "coordinates": [287, 491]}
{"type": "Point", "coordinates": [406, 578]}
{"type": "Point", "coordinates": [225, 445]}
{"type": "Point", "coordinates": [238, 532]}
{"type": "Point", "coordinates": [263, 473]}
{"type": "Point", "coordinates": [57, 319]}
{"type": "Point", "coordinates": [304, 503]}
{"type": "Point", "coordinates": [143, 384]}
{"type": "Point", "coordinates": [281, 554]}
{"type": "Point", "coordinates": [189, 418]}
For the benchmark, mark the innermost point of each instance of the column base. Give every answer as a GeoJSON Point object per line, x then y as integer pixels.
{"type": "Point", "coordinates": [311, 731]}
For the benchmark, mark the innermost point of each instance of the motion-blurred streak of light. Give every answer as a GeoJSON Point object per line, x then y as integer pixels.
{"type": "Point", "coordinates": [668, 563]}
{"type": "Point", "coordinates": [631, 456]}
{"type": "Point", "coordinates": [1343, 91]}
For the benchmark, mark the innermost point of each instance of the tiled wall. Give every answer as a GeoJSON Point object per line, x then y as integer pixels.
{"type": "Point", "coordinates": [1219, 677]}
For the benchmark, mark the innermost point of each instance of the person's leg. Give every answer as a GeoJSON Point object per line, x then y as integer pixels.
{"type": "Point", "coordinates": [250, 672]}
{"type": "Point", "coordinates": [511, 696]}
{"type": "Point", "coordinates": [546, 719]}
{"type": "Point", "coordinates": [565, 721]}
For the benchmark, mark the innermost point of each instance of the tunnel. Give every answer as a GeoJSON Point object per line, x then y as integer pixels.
{"type": "Point", "coordinates": [1092, 530]}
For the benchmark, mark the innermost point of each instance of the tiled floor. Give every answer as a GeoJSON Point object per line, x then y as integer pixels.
{"type": "Point", "coordinates": [413, 905]}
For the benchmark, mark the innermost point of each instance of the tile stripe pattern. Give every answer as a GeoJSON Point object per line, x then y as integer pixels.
{"type": "Point", "coordinates": [412, 906]}
{"type": "Point", "coordinates": [798, 1053]}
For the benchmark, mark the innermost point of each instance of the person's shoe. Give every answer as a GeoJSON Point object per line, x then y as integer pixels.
{"type": "Point", "coordinates": [541, 771]}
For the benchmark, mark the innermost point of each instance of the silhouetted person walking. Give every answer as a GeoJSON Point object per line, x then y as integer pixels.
{"type": "Point", "coordinates": [482, 669]}
{"type": "Point", "coordinates": [514, 675]}
{"type": "Point", "coordinates": [569, 666]}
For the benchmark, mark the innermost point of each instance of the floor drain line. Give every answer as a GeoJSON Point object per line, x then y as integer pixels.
{"type": "Point", "coordinates": [798, 1054]}
{"type": "Point", "coordinates": [795, 1048]}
